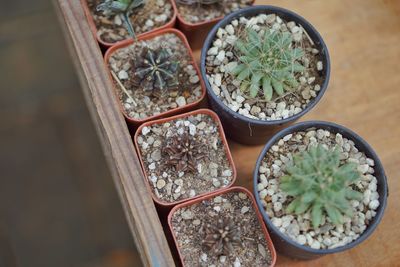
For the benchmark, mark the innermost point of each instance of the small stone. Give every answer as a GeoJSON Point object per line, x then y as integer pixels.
{"type": "Point", "coordinates": [194, 79]}
{"type": "Point", "coordinates": [237, 263]}
{"type": "Point", "coordinates": [156, 155]}
{"type": "Point", "coordinates": [374, 204]}
{"type": "Point", "coordinates": [152, 166]}
{"type": "Point", "coordinates": [218, 79]}
{"type": "Point", "coordinates": [301, 239]}
{"type": "Point", "coordinates": [201, 125]}
{"type": "Point", "coordinates": [218, 43]}
{"type": "Point", "coordinates": [262, 250]}
{"type": "Point", "coordinates": [320, 66]}
{"type": "Point", "coordinates": [123, 75]}
{"type": "Point", "coordinates": [203, 257]}
{"type": "Point", "coordinates": [213, 51]}
{"type": "Point", "coordinates": [230, 30]}
{"type": "Point", "coordinates": [255, 110]}
{"type": "Point", "coordinates": [161, 18]}
{"type": "Point", "coordinates": [315, 245]}
{"type": "Point", "coordinates": [192, 129]}
{"type": "Point", "coordinates": [187, 215]}
{"type": "Point", "coordinates": [192, 193]}
{"type": "Point", "coordinates": [160, 183]}
{"type": "Point", "coordinates": [363, 168]}
{"type": "Point", "coordinates": [222, 259]}
{"type": "Point", "coordinates": [196, 222]}
{"type": "Point", "coordinates": [242, 195]}
{"type": "Point", "coordinates": [221, 55]}
{"type": "Point", "coordinates": [263, 169]}
{"type": "Point", "coordinates": [240, 99]}
{"type": "Point", "coordinates": [277, 222]}
{"type": "Point", "coordinates": [216, 182]}
{"type": "Point", "coordinates": [181, 101]}
{"type": "Point", "coordinates": [149, 23]}
{"type": "Point", "coordinates": [244, 210]}
{"type": "Point", "coordinates": [287, 137]}
{"type": "Point", "coordinates": [275, 148]}
{"type": "Point", "coordinates": [227, 173]}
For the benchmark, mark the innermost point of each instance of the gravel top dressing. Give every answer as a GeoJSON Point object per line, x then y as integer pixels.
{"type": "Point", "coordinates": [143, 103]}
{"type": "Point", "coordinates": [223, 57]}
{"type": "Point", "coordinates": [154, 14]}
{"type": "Point", "coordinates": [185, 158]}
{"type": "Point", "coordinates": [197, 13]}
{"type": "Point", "coordinates": [298, 227]}
{"type": "Point", "coordinates": [196, 228]}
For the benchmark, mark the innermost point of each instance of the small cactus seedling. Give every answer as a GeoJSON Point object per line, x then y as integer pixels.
{"type": "Point", "coordinates": [182, 152]}
{"type": "Point", "coordinates": [268, 63]}
{"type": "Point", "coordinates": [122, 8]}
{"type": "Point", "coordinates": [221, 236]}
{"type": "Point", "coordinates": [155, 70]}
{"type": "Point", "coordinates": [319, 183]}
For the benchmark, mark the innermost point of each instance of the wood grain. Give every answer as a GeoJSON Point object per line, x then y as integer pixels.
{"type": "Point", "coordinates": [118, 148]}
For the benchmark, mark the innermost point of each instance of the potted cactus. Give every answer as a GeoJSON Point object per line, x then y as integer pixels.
{"type": "Point", "coordinates": [113, 21]}
{"type": "Point", "coordinates": [155, 76]}
{"type": "Point", "coordinates": [196, 17]}
{"type": "Point", "coordinates": [321, 189]}
{"type": "Point", "coordinates": [184, 157]}
{"type": "Point", "coordinates": [265, 67]}
{"type": "Point", "coordinates": [221, 229]}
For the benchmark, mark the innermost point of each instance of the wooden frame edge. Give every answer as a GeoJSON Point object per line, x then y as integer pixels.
{"type": "Point", "coordinates": [114, 136]}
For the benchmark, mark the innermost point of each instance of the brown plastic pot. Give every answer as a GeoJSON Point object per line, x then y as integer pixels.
{"type": "Point", "coordinates": [271, 247]}
{"type": "Point", "coordinates": [195, 32]}
{"type": "Point", "coordinates": [166, 206]}
{"type": "Point", "coordinates": [191, 106]}
{"type": "Point", "coordinates": [105, 44]}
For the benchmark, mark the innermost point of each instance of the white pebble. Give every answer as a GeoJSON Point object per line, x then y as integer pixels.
{"type": "Point", "coordinates": [181, 101]}
{"type": "Point", "coordinates": [123, 75]}
{"type": "Point", "coordinates": [374, 204]}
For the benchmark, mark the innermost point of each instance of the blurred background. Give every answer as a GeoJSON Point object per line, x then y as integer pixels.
{"type": "Point", "coordinates": [58, 203]}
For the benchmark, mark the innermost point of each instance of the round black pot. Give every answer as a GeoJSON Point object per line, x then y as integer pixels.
{"type": "Point", "coordinates": [283, 243]}
{"type": "Point", "coordinates": [241, 128]}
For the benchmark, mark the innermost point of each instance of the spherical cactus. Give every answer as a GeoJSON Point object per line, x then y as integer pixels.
{"type": "Point", "coordinates": [320, 183]}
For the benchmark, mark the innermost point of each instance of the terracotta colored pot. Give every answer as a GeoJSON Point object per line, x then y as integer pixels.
{"type": "Point", "coordinates": [168, 205]}
{"type": "Point", "coordinates": [285, 244]}
{"type": "Point", "coordinates": [195, 32]}
{"type": "Point", "coordinates": [105, 44]}
{"type": "Point", "coordinates": [134, 122]}
{"type": "Point", "coordinates": [211, 195]}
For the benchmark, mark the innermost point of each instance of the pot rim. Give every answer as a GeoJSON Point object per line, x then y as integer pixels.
{"type": "Point", "coordinates": [258, 9]}
{"type": "Point", "coordinates": [148, 36]}
{"type": "Point", "coordinates": [359, 142]}
{"type": "Point", "coordinates": [93, 27]}
{"type": "Point", "coordinates": [216, 119]}
{"type": "Point", "coordinates": [270, 244]}
{"type": "Point", "coordinates": [189, 25]}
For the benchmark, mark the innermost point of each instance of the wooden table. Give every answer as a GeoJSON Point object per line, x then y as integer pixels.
{"type": "Point", "coordinates": [363, 37]}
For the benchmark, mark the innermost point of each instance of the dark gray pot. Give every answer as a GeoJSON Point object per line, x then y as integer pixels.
{"type": "Point", "coordinates": [287, 246]}
{"type": "Point", "coordinates": [243, 129]}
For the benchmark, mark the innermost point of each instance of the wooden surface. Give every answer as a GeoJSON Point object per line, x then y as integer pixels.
{"type": "Point", "coordinates": [113, 132]}
{"type": "Point", "coordinates": [363, 38]}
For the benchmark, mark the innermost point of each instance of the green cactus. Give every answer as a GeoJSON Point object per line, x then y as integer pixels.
{"type": "Point", "coordinates": [319, 183]}
{"type": "Point", "coordinates": [154, 69]}
{"type": "Point", "coordinates": [122, 8]}
{"type": "Point", "coordinates": [267, 62]}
